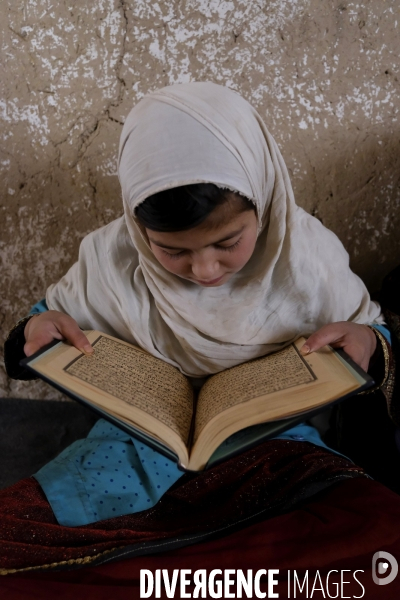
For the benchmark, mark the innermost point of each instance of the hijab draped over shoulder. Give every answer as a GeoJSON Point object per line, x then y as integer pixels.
{"type": "Point", "coordinates": [297, 280]}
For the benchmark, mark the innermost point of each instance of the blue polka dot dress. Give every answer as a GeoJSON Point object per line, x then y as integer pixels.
{"type": "Point", "coordinates": [110, 474]}
{"type": "Point", "coordinates": [107, 474]}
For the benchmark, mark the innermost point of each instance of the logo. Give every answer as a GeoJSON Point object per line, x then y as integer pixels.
{"type": "Point", "coordinates": [381, 561]}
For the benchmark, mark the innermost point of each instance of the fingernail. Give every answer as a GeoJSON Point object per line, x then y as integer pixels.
{"type": "Point", "coordinates": [305, 349]}
{"type": "Point", "coordinates": [87, 349]}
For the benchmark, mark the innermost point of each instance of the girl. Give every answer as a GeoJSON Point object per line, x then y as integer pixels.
{"type": "Point", "coordinates": [211, 265]}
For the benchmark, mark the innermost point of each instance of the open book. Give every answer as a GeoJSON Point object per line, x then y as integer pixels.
{"type": "Point", "coordinates": [234, 409]}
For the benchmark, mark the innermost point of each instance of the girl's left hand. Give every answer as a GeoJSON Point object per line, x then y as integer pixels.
{"type": "Point", "coordinates": [359, 341]}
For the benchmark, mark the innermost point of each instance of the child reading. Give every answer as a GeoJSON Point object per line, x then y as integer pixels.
{"type": "Point", "coordinates": [212, 264]}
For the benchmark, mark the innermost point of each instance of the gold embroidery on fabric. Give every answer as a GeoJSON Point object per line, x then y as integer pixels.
{"type": "Point", "coordinates": [386, 356]}
{"type": "Point", "coordinates": [393, 322]}
{"type": "Point", "coordinates": [72, 561]}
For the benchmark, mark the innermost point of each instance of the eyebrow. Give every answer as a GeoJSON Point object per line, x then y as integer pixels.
{"type": "Point", "coordinates": [225, 239]}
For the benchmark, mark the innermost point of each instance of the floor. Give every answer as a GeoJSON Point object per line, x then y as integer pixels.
{"type": "Point", "coordinates": [32, 432]}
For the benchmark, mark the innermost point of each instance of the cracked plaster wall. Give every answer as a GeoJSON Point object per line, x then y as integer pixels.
{"type": "Point", "coordinates": [324, 76]}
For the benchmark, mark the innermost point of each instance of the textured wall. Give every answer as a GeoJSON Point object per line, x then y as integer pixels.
{"type": "Point", "coordinates": [324, 75]}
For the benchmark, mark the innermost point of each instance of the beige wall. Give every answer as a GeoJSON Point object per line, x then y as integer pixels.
{"type": "Point", "coordinates": [324, 76]}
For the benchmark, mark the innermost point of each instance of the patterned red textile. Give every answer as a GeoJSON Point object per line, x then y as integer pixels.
{"type": "Point", "coordinates": [269, 479]}
{"type": "Point", "coordinates": [340, 528]}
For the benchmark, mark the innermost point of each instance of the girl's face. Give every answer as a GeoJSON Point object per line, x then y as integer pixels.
{"type": "Point", "coordinates": [208, 255]}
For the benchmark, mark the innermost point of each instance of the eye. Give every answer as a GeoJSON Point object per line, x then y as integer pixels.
{"type": "Point", "coordinates": [230, 248]}
{"type": "Point", "coordinates": [173, 256]}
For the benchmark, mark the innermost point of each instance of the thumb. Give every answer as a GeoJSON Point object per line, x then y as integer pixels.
{"type": "Point", "coordinates": [328, 334]}
{"type": "Point", "coordinates": [305, 349]}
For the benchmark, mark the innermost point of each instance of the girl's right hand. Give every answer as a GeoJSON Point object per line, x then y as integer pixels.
{"type": "Point", "coordinates": [51, 325]}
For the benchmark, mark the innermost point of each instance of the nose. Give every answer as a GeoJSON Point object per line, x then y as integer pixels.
{"type": "Point", "coordinates": [205, 267]}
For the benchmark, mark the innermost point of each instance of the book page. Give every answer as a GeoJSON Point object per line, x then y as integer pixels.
{"type": "Point", "coordinates": [272, 373]}
{"type": "Point", "coordinates": [139, 379]}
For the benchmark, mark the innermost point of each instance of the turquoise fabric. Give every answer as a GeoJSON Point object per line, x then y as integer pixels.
{"type": "Point", "coordinates": [384, 331]}
{"type": "Point", "coordinates": [105, 475]}
{"type": "Point", "coordinates": [306, 433]}
{"type": "Point", "coordinates": [39, 307]}
{"type": "Point", "coordinates": [110, 473]}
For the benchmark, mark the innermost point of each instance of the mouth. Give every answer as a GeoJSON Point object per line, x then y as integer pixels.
{"type": "Point", "coordinates": [210, 281]}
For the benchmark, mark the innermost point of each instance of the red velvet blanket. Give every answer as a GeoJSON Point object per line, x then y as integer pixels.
{"type": "Point", "coordinates": [282, 505]}
{"type": "Point", "coordinates": [340, 528]}
{"type": "Point", "coordinates": [273, 477]}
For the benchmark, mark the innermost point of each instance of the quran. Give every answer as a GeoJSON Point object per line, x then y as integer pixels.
{"type": "Point", "coordinates": [234, 409]}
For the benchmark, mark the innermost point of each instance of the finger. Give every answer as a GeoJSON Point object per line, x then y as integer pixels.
{"type": "Point", "coordinates": [358, 355]}
{"type": "Point", "coordinates": [69, 329]}
{"type": "Point", "coordinates": [60, 327]}
{"type": "Point", "coordinates": [329, 334]}
{"type": "Point", "coordinates": [37, 340]}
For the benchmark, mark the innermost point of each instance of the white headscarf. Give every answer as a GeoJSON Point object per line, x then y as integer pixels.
{"type": "Point", "coordinates": [297, 280]}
